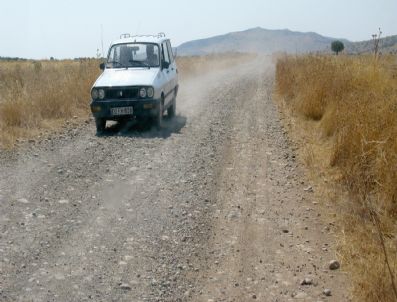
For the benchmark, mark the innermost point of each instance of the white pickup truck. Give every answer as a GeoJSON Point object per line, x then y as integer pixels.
{"type": "Point", "coordinates": [139, 81]}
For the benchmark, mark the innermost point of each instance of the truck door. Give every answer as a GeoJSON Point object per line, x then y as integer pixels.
{"type": "Point", "coordinates": [173, 69]}
{"type": "Point", "coordinates": [166, 73]}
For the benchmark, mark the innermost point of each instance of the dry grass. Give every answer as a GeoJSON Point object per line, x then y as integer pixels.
{"type": "Point", "coordinates": [347, 108]}
{"type": "Point", "coordinates": [195, 65]}
{"type": "Point", "coordinates": [39, 97]}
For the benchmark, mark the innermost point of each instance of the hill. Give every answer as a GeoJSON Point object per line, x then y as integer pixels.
{"type": "Point", "coordinates": [258, 40]}
{"type": "Point", "coordinates": [386, 45]}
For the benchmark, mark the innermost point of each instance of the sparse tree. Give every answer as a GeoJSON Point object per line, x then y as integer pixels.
{"type": "Point", "coordinates": [337, 46]}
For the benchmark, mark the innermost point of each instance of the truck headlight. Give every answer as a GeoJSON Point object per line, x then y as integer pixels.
{"type": "Point", "coordinates": [142, 92]}
{"type": "Point", "coordinates": [150, 92]}
{"type": "Point", "coordinates": [94, 94]}
{"type": "Point", "coordinates": [101, 94]}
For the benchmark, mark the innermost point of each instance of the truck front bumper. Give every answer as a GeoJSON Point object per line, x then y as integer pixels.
{"type": "Point", "coordinates": [141, 108]}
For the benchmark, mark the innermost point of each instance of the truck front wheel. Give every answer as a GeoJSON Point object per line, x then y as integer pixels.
{"type": "Point", "coordinates": [100, 124]}
{"type": "Point", "coordinates": [158, 119]}
{"type": "Point", "coordinates": [171, 111]}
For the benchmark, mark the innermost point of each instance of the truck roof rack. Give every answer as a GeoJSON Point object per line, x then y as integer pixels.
{"type": "Point", "coordinates": [126, 36]}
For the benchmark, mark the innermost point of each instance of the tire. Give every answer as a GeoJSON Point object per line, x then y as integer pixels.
{"type": "Point", "coordinates": [100, 125]}
{"type": "Point", "coordinates": [171, 111]}
{"type": "Point", "coordinates": [158, 119]}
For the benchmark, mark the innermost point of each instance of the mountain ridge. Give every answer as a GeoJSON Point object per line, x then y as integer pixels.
{"type": "Point", "coordinates": [267, 41]}
{"type": "Point", "coordinates": [387, 44]}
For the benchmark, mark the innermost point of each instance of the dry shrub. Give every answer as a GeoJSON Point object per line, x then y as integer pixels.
{"type": "Point", "coordinates": [354, 100]}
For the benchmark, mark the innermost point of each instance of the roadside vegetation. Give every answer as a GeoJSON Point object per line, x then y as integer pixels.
{"type": "Point", "coordinates": [40, 97]}
{"type": "Point", "coordinates": [342, 113]}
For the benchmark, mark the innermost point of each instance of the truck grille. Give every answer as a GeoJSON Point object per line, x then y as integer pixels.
{"type": "Point", "coordinates": [122, 93]}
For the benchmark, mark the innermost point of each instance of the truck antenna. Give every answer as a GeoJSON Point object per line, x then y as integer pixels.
{"type": "Point", "coordinates": [138, 27]}
{"type": "Point", "coordinates": [102, 40]}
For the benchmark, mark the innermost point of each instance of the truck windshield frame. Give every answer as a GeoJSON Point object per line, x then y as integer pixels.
{"type": "Point", "coordinates": [134, 55]}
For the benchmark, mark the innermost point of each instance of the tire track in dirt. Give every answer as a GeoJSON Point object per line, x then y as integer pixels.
{"type": "Point", "coordinates": [268, 237]}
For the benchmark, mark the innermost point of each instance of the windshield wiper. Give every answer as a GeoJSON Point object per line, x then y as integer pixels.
{"type": "Point", "coordinates": [116, 62]}
{"type": "Point", "coordinates": [141, 63]}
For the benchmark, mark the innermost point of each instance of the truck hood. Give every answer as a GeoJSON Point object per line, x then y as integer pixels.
{"type": "Point", "coordinates": [127, 77]}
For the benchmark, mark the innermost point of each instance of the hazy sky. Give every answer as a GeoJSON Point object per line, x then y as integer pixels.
{"type": "Point", "coordinates": [71, 28]}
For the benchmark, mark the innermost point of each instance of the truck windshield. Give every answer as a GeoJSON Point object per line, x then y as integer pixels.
{"type": "Point", "coordinates": [134, 55]}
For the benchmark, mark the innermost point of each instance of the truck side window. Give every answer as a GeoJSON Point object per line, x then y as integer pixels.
{"type": "Point", "coordinates": [170, 51]}
{"type": "Point", "coordinates": [165, 52]}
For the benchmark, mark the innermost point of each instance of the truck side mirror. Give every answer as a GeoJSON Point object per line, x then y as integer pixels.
{"type": "Point", "coordinates": [165, 65]}
{"type": "Point", "coordinates": [102, 66]}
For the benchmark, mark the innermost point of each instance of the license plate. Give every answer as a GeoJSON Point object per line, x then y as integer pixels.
{"type": "Point", "coordinates": [121, 110]}
{"type": "Point", "coordinates": [147, 106]}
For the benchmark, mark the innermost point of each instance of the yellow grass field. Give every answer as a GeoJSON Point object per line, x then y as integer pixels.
{"type": "Point", "coordinates": [342, 113]}
{"type": "Point", "coordinates": [38, 97]}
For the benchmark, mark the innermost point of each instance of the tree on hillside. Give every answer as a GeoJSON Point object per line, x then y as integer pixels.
{"type": "Point", "coordinates": [337, 47]}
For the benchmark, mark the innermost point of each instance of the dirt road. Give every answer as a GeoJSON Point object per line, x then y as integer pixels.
{"type": "Point", "coordinates": [212, 208]}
